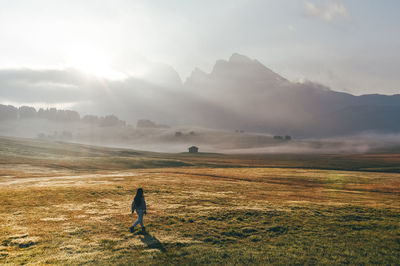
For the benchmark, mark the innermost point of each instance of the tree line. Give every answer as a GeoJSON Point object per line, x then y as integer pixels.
{"type": "Point", "coordinates": [10, 112]}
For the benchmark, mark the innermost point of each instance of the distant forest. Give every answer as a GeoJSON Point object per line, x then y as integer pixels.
{"type": "Point", "coordinates": [9, 112]}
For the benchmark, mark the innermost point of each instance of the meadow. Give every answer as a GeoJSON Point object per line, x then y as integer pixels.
{"type": "Point", "coordinates": [70, 204]}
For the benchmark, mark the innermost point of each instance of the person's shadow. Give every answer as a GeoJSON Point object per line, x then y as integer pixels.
{"type": "Point", "coordinates": [152, 241]}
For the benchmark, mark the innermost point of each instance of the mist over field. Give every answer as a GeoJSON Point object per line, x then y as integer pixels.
{"type": "Point", "coordinates": [147, 135]}
{"type": "Point", "coordinates": [238, 107]}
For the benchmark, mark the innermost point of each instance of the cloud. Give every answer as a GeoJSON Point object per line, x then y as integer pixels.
{"type": "Point", "coordinates": [49, 86]}
{"type": "Point", "coordinates": [329, 12]}
{"type": "Point", "coordinates": [158, 95]}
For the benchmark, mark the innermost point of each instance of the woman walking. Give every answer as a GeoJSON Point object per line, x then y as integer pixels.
{"type": "Point", "coordinates": [139, 204]}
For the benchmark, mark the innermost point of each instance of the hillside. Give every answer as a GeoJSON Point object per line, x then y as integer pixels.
{"type": "Point", "coordinates": [78, 157]}
{"type": "Point", "coordinates": [65, 203]}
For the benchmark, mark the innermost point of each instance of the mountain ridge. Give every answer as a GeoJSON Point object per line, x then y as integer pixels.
{"type": "Point", "coordinates": [238, 93]}
{"type": "Point", "coordinates": [268, 101]}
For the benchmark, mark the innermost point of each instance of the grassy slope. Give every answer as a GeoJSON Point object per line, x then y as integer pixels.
{"type": "Point", "coordinates": [278, 209]}
{"type": "Point", "coordinates": [85, 157]}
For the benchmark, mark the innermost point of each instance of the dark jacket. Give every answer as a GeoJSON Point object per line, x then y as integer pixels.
{"type": "Point", "coordinates": [141, 207]}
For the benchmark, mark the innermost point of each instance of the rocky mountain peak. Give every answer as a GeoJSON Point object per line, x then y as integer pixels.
{"type": "Point", "coordinates": [238, 58]}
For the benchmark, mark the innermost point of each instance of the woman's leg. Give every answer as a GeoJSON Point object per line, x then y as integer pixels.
{"type": "Point", "coordinates": [139, 219]}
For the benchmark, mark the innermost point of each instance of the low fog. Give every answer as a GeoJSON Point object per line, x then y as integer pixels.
{"type": "Point", "coordinates": [68, 126]}
{"type": "Point", "coordinates": [220, 108]}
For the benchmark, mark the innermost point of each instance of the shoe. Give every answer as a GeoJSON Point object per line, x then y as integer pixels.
{"type": "Point", "coordinates": [132, 229]}
{"type": "Point", "coordinates": [144, 229]}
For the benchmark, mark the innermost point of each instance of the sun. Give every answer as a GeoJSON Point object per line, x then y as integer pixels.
{"type": "Point", "coordinates": [92, 61]}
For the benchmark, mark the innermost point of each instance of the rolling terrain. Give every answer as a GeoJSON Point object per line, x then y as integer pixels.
{"type": "Point", "coordinates": [66, 203]}
{"type": "Point", "coordinates": [239, 93]}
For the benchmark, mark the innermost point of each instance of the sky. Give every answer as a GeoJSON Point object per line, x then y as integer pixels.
{"type": "Point", "coordinates": [351, 46]}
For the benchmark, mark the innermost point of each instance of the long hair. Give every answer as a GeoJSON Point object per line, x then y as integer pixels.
{"type": "Point", "coordinates": [138, 197]}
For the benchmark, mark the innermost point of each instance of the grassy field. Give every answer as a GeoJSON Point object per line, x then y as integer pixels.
{"type": "Point", "coordinates": [70, 204]}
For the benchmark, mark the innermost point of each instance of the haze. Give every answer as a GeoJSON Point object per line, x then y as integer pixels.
{"type": "Point", "coordinates": [307, 69]}
{"type": "Point", "coordinates": [349, 46]}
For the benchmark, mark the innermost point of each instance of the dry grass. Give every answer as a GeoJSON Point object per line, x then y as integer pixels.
{"type": "Point", "coordinates": [214, 213]}
{"type": "Point", "coordinates": [197, 215]}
